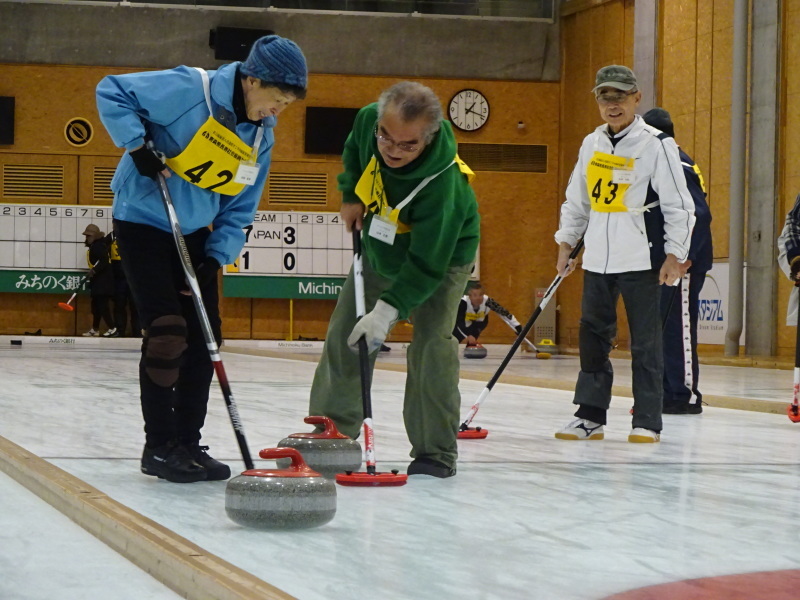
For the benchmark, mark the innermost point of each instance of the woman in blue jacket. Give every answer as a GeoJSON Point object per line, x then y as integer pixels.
{"type": "Point", "coordinates": [213, 136]}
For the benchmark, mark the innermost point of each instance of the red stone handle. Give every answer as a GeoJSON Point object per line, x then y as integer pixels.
{"type": "Point", "coordinates": [298, 468]}
{"type": "Point", "coordinates": [331, 432]}
{"type": "Point", "coordinates": [275, 453]}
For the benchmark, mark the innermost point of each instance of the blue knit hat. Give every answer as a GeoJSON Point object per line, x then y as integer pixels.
{"type": "Point", "coordinates": [276, 60]}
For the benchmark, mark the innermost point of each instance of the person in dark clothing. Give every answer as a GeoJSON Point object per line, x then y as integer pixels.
{"type": "Point", "coordinates": [680, 304]}
{"type": "Point", "coordinates": [122, 299]}
{"type": "Point", "coordinates": [101, 281]}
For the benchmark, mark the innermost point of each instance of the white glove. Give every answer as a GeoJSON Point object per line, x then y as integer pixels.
{"type": "Point", "coordinates": [374, 326]}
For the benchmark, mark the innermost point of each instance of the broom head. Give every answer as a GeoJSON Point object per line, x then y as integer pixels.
{"type": "Point", "coordinates": [473, 433]}
{"type": "Point", "coordinates": [364, 479]}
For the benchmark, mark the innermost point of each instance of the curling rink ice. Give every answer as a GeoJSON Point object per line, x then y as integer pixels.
{"type": "Point", "coordinates": [527, 516]}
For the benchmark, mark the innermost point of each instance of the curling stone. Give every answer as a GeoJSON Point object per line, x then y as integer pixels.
{"type": "Point", "coordinates": [476, 351]}
{"type": "Point", "coordinates": [327, 452]}
{"type": "Point", "coordinates": [293, 498]}
{"type": "Point", "coordinates": [546, 349]}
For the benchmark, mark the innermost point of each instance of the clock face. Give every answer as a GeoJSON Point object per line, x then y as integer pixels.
{"type": "Point", "coordinates": [469, 110]}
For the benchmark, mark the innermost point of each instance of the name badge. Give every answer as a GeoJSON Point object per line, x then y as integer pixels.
{"type": "Point", "coordinates": [623, 176]}
{"type": "Point", "coordinates": [382, 229]}
{"type": "Point", "coordinates": [246, 174]}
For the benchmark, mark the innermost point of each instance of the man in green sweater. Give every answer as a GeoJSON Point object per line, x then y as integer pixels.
{"type": "Point", "coordinates": [405, 189]}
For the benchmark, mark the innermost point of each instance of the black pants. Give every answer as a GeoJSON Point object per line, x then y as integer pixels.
{"type": "Point", "coordinates": [155, 276]}
{"type": "Point", "coordinates": [123, 303]}
{"type": "Point", "coordinates": [680, 354]}
{"type": "Point", "coordinates": [101, 310]}
{"type": "Point", "coordinates": [641, 294]}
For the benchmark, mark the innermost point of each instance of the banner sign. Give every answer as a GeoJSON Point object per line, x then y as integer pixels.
{"type": "Point", "coordinates": [712, 323]}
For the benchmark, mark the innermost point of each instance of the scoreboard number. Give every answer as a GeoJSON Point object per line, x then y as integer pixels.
{"type": "Point", "coordinates": [294, 244]}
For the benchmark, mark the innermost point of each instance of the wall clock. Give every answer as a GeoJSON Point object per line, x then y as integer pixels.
{"type": "Point", "coordinates": [469, 110]}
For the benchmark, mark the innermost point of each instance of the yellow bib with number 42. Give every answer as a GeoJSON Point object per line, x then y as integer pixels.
{"type": "Point", "coordinates": [216, 159]}
{"type": "Point", "coordinates": [608, 177]}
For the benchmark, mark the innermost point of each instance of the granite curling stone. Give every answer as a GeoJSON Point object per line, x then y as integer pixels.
{"type": "Point", "coordinates": [293, 498]}
{"type": "Point", "coordinates": [328, 452]}
{"type": "Point", "coordinates": [476, 351]}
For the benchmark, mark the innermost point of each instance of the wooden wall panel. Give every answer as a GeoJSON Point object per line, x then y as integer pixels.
{"type": "Point", "coordinates": [271, 318]}
{"type": "Point", "coordinates": [20, 313]}
{"type": "Point", "coordinates": [86, 166]}
{"type": "Point", "coordinates": [236, 314]}
{"type": "Point", "coordinates": [47, 97]}
{"type": "Point", "coordinates": [695, 80]}
{"type": "Point", "coordinates": [70, 164]}
{"type": "Point", "coordinates": [526, 203]}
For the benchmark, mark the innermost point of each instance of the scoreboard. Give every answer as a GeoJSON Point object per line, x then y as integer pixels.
{"type": "Point", "coordinates": [287, 254]}
{"type": "Point", "coordinates": [41, 245]}
{"type": "Point", "coordinates": [291, 255]}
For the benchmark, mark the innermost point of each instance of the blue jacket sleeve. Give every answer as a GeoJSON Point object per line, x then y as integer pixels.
{"type": "Point", "coordinates": [124, 102]}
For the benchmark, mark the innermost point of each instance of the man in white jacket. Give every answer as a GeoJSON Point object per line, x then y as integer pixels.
{"type": "Point", "coordinates": [627, 198]}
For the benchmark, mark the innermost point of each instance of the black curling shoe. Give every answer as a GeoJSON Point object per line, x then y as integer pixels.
{"type": "Point", "coordinates": [215, 470]}
{"type": "Point", "coordinates": [428, 466]}
{"type": "Point", "coordinates": [173, 463]}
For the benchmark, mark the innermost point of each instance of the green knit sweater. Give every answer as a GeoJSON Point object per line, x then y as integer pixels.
{"type": "Point", "coordinates": [443, 217]}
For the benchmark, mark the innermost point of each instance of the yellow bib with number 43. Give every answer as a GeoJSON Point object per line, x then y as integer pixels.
{"type": "Point", "coordinates": [608, 178]}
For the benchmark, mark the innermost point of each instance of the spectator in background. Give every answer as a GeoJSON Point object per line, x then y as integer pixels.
{"type": "Point", "coordinates": [101, 281]}
{"type": "Point", "coordinates": [680, 305]}
{"type": "Point", "coordinates": [123, 299]}
{"type": "Point", "coordinates": [789, 258]}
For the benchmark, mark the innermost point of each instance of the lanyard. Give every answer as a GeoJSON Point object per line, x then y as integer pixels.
{"type": "Point", "coordinates": [207, 93]}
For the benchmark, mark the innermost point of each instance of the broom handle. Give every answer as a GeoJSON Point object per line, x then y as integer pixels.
{"type": "Point", "coordinates": [80, 283]}
{"type": "Point", "coordinates": [520, 336]}
{"type": "Point", "coordinates": [526, 340]}
{"type": "Point", "coordinates": [363, 354]}
{"type": "Point", "coordinates": [208, 334]}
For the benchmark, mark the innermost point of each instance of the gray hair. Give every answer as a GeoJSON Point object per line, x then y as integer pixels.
{"type": "Point", "coordinates": [413, 101]}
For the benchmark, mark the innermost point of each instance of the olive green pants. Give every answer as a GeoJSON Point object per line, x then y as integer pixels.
{"type": "Point", "coordinates": [432, 400]}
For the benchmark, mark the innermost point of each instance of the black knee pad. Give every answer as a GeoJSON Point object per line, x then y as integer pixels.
{"type": "Point", "coordinates": [166, 342]}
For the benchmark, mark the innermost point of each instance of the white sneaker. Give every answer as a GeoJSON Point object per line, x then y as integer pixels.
{"type": "Point", "coordinates": [581, 429]}
{"type": "Point", "coordinates": [639, 435]}
{"type": "Point", "coordinates": [111, 333]}
{"type": "Point", "coordinates": [91, 333]}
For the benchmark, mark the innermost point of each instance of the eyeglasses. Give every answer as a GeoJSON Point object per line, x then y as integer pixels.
{"type": "Point", "coordinates": [613, 97]}
{"type": "Point", "coordinates": [387, 141]}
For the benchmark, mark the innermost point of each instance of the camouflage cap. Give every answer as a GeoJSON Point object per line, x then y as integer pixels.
{"type": "Point", "coordinates": [615, 76]}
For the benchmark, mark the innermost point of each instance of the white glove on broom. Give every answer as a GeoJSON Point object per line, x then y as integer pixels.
{"type": "Point", "coordinates": [374, 326]}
